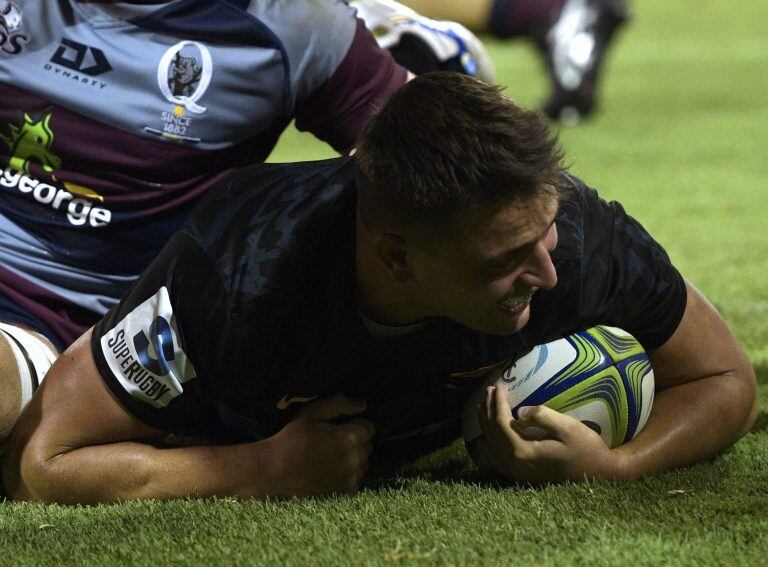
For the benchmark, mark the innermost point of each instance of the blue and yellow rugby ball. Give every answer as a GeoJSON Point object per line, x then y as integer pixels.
{"type": "Point", "coordinates": [601, 376]}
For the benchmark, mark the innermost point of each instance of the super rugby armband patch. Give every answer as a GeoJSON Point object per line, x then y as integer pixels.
{"type": "Point", "coordinates": [144, 352]}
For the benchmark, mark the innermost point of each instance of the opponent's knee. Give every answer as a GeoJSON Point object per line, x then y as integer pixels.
{"type": "Point", "coordinates": [25, 358]}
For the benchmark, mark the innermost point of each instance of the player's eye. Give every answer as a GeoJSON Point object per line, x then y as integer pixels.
{"type": "Point", "coordinates": [513, 258]}
{"type": "Point", "coordinates": [509, 262]}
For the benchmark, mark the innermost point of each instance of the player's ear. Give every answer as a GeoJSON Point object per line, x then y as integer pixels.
{"type": "Point", "coordinates": [392, 252]}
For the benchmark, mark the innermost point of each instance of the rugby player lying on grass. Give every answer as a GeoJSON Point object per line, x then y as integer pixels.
{"type": "Point", "coordinates": [335, 308]}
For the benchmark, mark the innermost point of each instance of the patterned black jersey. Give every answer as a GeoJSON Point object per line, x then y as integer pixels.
{"type": "Point", "coordinates": [249, 313]}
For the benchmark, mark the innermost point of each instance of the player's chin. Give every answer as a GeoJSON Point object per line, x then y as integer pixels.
{"type": "Point", "coordinates": [505, 321]}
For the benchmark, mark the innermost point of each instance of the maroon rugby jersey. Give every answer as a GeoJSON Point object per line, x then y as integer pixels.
{"type": "Point", "coordinates": [116, 117]}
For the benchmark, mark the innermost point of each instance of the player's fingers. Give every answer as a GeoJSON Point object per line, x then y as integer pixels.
{"type": "Point", "coordinates": [482, 416]}
{"type": "Point", "coordinates": [489, 409]}
{"type": "Point", "coordinates": [331, 407]}
{"type": "Point", "coordinates": [354, 434]}
{"type": "Point", "coordinates": [500, 428]}
{"type": "Point", "coordinates": [558, 424]}
{"type": "Point", "coordinates": [366, 450]}
{"type": "Point", "coordinates": [358, 466]}
{"type": "Point", "coordinates": [501, 404]}
{"type": "Point", "coordinates": [502, 409]}
{"type": "Point", "coordinates": [487, 414]}
{"type": "Point", "coordinates": [483, 409]}
{"type": "Point", "coordinates": [362, 429]}
{"type": "Point", "coordinates": [355, 458]}
{"type": "Point", "coordinates": [485, 424]}
{"type": "Point", "coordinates": [361, 458]}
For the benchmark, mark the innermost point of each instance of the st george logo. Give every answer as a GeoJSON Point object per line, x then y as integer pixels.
{"type": "Point", "coordinates": [82, 58]}
{"type": "Point", "coordinates": [10, 28]}
{"type": "Point", "coordinates": [30, 142]}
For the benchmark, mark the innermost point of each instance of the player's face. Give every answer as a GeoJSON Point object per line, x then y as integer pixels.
{"type": "Point", "coordinates": [485, 279]}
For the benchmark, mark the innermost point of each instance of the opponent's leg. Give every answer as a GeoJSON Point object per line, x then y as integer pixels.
{"type": "Point", "coordinates": [573, 36]}
{"type": "Point", "coordinates": [421, 44]}
{"type": "Point", "coordinates": [523, 18]}
{"type": "Point", "coordinates": [575, 48]}
{"type": "Point", "coordinates": [25, 358]}
{"type": "Point", "coordinates": [474, 14]}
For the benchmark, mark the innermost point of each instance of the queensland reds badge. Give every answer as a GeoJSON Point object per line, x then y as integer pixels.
{"type": "Point", "coordinates": [11, 37]}
{"type": "Point", "coordinates": [183, 75]}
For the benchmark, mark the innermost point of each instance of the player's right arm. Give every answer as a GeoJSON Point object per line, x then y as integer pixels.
{"type": "Point", "coordinates": [338, 74]}
{"type": "Point", "coordinates": [155, 364]}
{"type": "Point", "coordinates": [76, 443]}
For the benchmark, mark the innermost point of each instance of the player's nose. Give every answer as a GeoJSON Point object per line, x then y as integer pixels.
{"type": "Point", "coordinates": [541, 272]}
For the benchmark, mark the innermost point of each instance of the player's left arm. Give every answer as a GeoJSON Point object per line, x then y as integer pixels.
{"type": "Point", "coordinates": [705, 395]}
{"type": "Point", "coordinates": [705, 401]}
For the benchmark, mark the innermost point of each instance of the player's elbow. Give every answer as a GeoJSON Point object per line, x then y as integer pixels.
{"type": "Point", "coordinates": [751, 418]}
{"type": "Point", "coordinates": [738, 396]}
{"type": "Point", "coordinates": [749, 393]}
{"type": "Point", "coordinates": [31, 469]}
{"type": "Point", "coordinates": [26, 471]}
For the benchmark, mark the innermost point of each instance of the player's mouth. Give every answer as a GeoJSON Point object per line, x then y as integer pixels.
{"type": "Point", "coordinates": [514, 305]}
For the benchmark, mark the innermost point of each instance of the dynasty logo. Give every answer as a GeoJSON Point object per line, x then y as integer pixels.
{"type": "Point", "coordinates": [183, 75]}
{"type": "Point", "coordinates": [79, 62]}
{"type": "Point", "coordinates": [10, 28]}
{"type": "Point", "coordinates": [32, 159]}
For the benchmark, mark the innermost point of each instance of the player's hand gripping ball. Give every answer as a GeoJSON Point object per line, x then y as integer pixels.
{"type": "Point", "coordinates": [601, 376]}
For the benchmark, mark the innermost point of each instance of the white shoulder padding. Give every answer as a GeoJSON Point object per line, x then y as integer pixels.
{"type": "Point", "coordinates": [27, 346]}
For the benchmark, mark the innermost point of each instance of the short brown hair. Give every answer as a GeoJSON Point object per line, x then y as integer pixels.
{"type": "Point", "coordinates": [446, 146]}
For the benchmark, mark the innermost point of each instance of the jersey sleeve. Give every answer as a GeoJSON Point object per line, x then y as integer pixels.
{"type": "Point", "coordinates": [338, 74]}
{"type": "Point", "coordinates": [339, 109]}
{"type": "Point", "coordinates": [628, 280]}
{"type": "Point", "coordinates": [150, 349]}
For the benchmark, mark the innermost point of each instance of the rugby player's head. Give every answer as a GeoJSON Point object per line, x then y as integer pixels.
{"type": "Point", "coordinates": [447, 150]}
{"type": "Point", "coordinates": [457, 197]}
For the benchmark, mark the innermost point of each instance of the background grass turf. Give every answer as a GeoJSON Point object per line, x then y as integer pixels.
{"type": "Point", "coordinates": [681, 141]}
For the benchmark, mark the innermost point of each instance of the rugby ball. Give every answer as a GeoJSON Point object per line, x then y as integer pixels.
{"type": "Point", "coordinates": [601, 376]}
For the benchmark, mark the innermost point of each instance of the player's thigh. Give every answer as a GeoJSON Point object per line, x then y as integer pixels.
{"type": "Point", "coordinates": [25, 357]}
{"type": "Point", "coordinates": [472, 13]}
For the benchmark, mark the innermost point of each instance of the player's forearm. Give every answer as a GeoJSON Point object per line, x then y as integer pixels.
{"type": "Point", "coordinates": [690, 423]}
{"type": "Point", "coordinates": [131, 470]}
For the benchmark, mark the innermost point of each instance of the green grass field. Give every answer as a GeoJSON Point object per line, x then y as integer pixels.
{"type": "Point", "coordinates": [681, 141]}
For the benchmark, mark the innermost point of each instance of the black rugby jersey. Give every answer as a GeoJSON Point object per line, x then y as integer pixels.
{"type": "Point", "coordinates": [249, 313]}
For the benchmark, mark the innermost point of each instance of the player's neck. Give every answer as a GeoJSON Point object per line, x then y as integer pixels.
{"type": "Point", "coordinates": [380, 305]}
